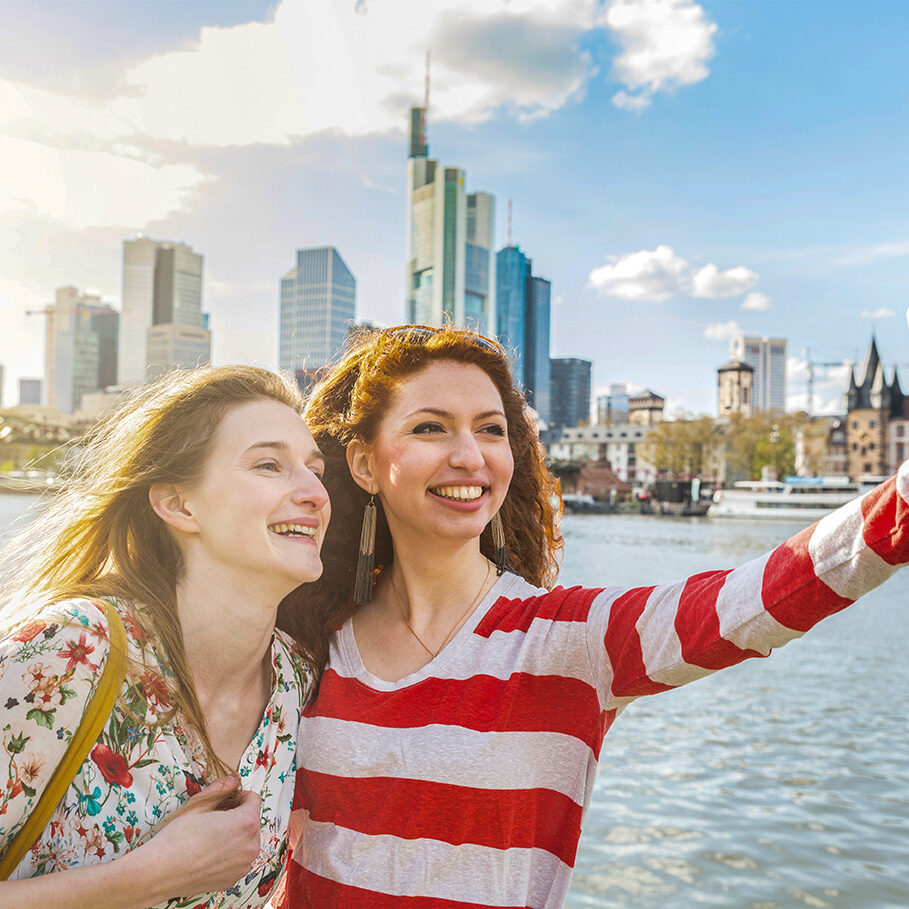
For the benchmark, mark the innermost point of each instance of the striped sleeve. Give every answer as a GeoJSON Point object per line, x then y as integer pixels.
{"type": "Point", "coordinates": [650, 639]}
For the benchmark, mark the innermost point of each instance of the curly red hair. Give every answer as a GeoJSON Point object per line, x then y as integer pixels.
{"type": "Point", "coordinates": [349, 403]}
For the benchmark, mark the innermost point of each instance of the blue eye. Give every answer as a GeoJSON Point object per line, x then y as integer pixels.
{"type": "Point", "coordinates": [268, 465]}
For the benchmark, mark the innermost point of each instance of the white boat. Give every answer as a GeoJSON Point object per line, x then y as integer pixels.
{"type": "Point", "coordinates": [795, 499]}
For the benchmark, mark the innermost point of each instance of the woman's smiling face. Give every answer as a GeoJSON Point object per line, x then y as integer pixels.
{"type": "Point", "coordinates": [441, 460]}
{"type": "Point", "coordinates": [260, 505]}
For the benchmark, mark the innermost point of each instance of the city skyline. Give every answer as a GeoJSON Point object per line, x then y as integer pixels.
{"type": "Point", "coordinates": [678, 171]}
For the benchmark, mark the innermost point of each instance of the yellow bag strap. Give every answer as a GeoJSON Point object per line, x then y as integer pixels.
{"type": "Point", "coordinates": [93, 721]}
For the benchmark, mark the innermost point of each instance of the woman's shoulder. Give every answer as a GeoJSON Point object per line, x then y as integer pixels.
{"type": "Point", "coordinates": [73, 619]}
{"type": "Point", "coordinates": [290, 665]}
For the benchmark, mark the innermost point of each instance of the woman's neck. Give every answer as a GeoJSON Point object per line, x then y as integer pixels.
{"type": "Point", "coordinates": [432, 580]}
{"type": "Point", "coordinates": [227, 631]}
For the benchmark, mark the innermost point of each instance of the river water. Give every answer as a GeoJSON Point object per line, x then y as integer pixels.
{"type": "Point", "coordinates": [777, 783]}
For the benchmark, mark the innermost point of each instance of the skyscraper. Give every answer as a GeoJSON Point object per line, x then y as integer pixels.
{"type": "Point", "coordinates": [451, 268]}
{"type": "Point", "coordinates": [767, 357]}
{"type": "Point", "coordinates": [30, 391]}
{"type": "Point", "coordinates": [162, 285]}
{"type": "Point", "coordinates": [569, 400]}
{"type": "Point", "coordinates": [536, 345]}
{"type": "Point", "coordinates": [80, 348]}
{"type": "Point", "coordinates": [512, 273]}
{"type": "Point", "coordinates": [318, 303]}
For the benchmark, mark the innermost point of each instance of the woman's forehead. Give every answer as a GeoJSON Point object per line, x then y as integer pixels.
{"type": "Point", "coordinates": [450, 383]}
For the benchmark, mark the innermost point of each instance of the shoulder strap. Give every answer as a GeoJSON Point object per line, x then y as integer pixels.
{"type": "Point", "coordinates": [93, 721]}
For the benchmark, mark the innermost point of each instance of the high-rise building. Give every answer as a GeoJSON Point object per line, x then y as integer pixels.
{"type": "Point", "coordinates": [80, 352]}
{"type": "Point", "coordinates": [162, 285]}
{"type": "Point", "coordinates": [767, 357]}
{"type": "Point", "coordinates": [569, 398]}
{"type": "Point", "coordinates": [536, 345]}
{"type": "Point", "coordinates": [613, 405]}
{"type": "Point", "coordinates": [30, 391]}
{"type": "Point", "coordinates": [451, 266]}
{"type": "Point", "coordinates": [318, 304]}
{"type": "Point", "coordinates": [512, 273]}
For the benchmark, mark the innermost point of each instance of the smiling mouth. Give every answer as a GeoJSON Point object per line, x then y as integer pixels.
{"type": "Point", "coordinates": [459, 493]}
{"type": "Point", "coordinates": [294, 530]}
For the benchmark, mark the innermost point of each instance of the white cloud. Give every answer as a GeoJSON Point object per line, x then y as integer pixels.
{"type": "Point", "coordinates": [882, 313]}
{"type": "Point", "coordinates": [709, 282]}
{"type": "Point", "coordinates": [645, 275]}
{"type": "Point", "coordinates": [723, 331]}
{"type": "Point", "coordinates": [757, 301]}
{"type": "Point", "coordinates": [665, 44]}
{"type": "Point", "coordinates": [659, 274]}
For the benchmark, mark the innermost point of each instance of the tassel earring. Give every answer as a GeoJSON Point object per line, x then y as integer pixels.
{"type": "Point", "coordinates": [363, 586]}
{"type": "Point", "coordinates": [503, 563]}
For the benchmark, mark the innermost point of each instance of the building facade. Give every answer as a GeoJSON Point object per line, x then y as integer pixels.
{"type": "Point", "coordinates": [767, 357]}
{"type": "Point", "coordinates": [318, 306]}
{"type": "Point", "coordinates": [618, 444]}
{"type": "Point", "coordinates": [735, 389]}
{"type": "Point", "coordinates": [30, 392]}
{"type": "Point", "coordinates": [645, 408]}
{"type": "Point", "coordinates": [873, 404]}
{"type": "Point", "coordinates": [536, 345]}
{"type": "Point", "coordinates": [451, 266]}
{"type": "Point", "coordinates": [162, 285]}
{"type": "Point", "coordinates": [512, 274]}
{"type": "Point", "coordinates": [612, 406]}
{"type": "Point", "coordinates": [569, 391]}
{"type": "Point", "coordinates": [80, 352]}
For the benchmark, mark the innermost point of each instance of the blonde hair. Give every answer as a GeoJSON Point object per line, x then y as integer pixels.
{"type": "Point", "coordinates": [101, 537]}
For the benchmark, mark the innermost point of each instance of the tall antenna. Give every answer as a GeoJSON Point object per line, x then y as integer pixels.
{"type": "Point", "coordinates": [426, 98]}
{"type": "Point", "coordinates": [509, 222]}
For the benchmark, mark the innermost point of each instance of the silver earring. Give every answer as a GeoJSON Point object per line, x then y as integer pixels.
{"type": "Point", "coordinates": [366, 558]}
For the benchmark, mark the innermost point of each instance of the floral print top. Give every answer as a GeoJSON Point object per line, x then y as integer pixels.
{"type": "Point", "coordinates": [144, 765]}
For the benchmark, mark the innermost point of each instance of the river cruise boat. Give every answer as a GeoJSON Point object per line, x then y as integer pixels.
{"type": "Point", "coordinates": [794, 499]}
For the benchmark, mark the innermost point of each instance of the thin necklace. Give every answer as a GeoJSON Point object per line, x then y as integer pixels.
{"type": "Point", "coordinates": [461, 617]}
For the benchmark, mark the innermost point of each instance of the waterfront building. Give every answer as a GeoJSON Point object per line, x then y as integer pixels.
{"type": "Point", "coordinates": [30, 391]}
{"type": "Point", "coordinates": [873, 403]}
{"type": "Point", "coordinates": [767, 357]}
{"type": "Point", "coordinates": [618, 444]}
{"type": "Point", "coordinates": [162, 285]}
{"type": "Point", "coordinates": [612, 406]}
{"type": "Point", "coordinates": [569, 391]}
{"type": "Point", "coordinates": [735, 389]}
{"type": "Point", "coordinates": [451, 267]}
{"type": "Point", "coordinates": [318, 305]}
{"type": "Point", "coordinates": [646, 408]}
{"type": "Point", "coordinates": [80, 349]}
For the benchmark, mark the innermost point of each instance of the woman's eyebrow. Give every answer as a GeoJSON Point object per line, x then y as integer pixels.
{"type": "Point", "coordinates": [281, 446]}
{"type": "Point", "coordinates": [448, 416]}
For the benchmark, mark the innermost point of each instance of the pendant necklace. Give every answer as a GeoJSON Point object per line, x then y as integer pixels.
{"type": "Point", "coordinates": [461, 617]}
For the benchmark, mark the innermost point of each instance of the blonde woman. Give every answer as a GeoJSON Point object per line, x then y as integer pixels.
{"type": "Point", "coordinates": [197, 507]}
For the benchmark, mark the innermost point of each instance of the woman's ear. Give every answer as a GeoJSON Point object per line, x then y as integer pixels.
{"type": "Point", "coordinates": [358, 464]}
{"type": "Point", "coordinates": [168, 504]}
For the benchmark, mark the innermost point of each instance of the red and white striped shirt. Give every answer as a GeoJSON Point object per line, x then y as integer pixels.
{"type": "Point", "coordinates": [465, 784]}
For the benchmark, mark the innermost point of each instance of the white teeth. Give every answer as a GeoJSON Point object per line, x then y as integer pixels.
{"type": "Point", "coordinates": [459, 493]}
{"type": "Point", "coordinates": [294, 530]}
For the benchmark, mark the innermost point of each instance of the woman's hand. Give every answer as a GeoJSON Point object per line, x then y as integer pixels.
{"type": "Point", "coordinates": [208, 845]}
{"type": "Point", "coordinates": [211, 842]}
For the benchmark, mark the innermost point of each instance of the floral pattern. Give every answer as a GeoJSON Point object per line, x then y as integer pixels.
{"type": "Point", "coordinates": [146, 762]}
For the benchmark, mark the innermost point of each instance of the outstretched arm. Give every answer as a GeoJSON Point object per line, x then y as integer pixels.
{"type": "Point", "coordinates": [650, 639]}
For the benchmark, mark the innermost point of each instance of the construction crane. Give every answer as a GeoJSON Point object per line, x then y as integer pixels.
{"type": "Point", "coordinates": [811, 364]}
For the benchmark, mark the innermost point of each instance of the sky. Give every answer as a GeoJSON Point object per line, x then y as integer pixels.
{"type": "Point", "coordinates": [680, 171]}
